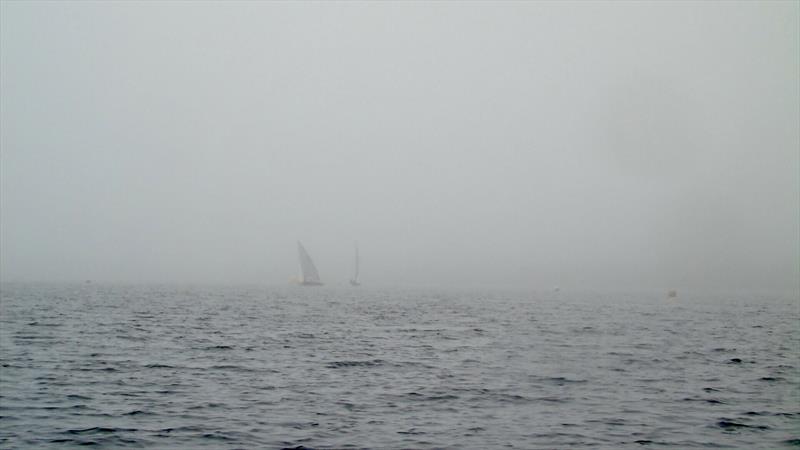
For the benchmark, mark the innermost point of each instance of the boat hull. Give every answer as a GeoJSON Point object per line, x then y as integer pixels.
{"type": "Point", "coordinates": [310, 283]}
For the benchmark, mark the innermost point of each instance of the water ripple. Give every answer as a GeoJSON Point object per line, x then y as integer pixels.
{"type": "Point", "coordinates": [251, 367]}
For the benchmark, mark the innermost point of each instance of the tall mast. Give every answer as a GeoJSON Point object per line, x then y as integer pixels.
{"type": "Point", "coordinates": [356, 245]}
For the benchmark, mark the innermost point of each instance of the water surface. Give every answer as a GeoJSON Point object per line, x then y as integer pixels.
{"type": "Point", "coordinates": [257, 367]}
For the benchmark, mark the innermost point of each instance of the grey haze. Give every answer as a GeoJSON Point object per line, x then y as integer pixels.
{"type": "Point", "coordinates": [525, 144]}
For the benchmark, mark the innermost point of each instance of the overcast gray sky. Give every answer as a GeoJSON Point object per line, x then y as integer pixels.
{"type": "Point", "coordinates": [650, 144]}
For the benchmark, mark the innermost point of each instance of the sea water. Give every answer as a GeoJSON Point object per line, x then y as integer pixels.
{"type": "Point", "coordinates": [275, 367]}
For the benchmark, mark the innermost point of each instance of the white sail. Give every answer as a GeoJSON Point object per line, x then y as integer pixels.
{"type": "Point", "coordinates": [354, 281]}
{"type": "Point", "coordinates": [310, 274]}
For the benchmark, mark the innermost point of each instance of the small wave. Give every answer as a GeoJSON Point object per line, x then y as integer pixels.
{"type": "Point", "coordinates": [137, 412]}
{"type": "Point", "coordinates": [560, 381]}
{"type": "Point", "coordinates": [102, 369]}
{"type": "Point", "coordinates": [43, 408]}
{"type": "Point", "coordinates": [131, 338]}
{"type": "Point", "coordinates": [421, 397]}
{"type": "Point", "coordinates": [338, 364]}
{"type": "Point", "coordinates": [729, 424]}
{"type": "Point", "coordinates": [300, 425]}
{"type": "Point", "coordinates": [184, 428]}
{"type": "Point", "coordinates": [107, 441]}
{"type": "Point", "coordinates": [612, 422]}
{"type": "Point", "coordinates": [231, 367]}
{"type": "Point", "coordinates": [127, 394]}
{"type": "Point", "coordinates": [304, 335]}
{"type": "Point", "coordinates": [347, 405]}
{"type": "Point", "coordinates": [781, 367]}
{"type": "Point", "coordinates": [13, 366]}
{"type": "Point", "coordinates": [40, 324]}
{"type": "Point", "coordinates": [412, 431]}
{"type": "Point", "coordinates": [99, 430]}
{"type": "Point", "coordinates": [207, 405]}
{"type": "Point", "coordinates": [218, 436]}
{"type": "Point", "coordinates": [33, 337]}
{"type": "Point", "coordinates": [707, 400]}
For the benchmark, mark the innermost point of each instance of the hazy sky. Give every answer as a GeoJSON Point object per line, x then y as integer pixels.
{"type": "Point", "coordinates": [648, 144]}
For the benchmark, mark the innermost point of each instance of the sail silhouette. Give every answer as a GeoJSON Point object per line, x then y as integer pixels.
{"type": "Point", "coordinates": [310, 275]}
{"type": "Point", "coordinates": [354, 281]}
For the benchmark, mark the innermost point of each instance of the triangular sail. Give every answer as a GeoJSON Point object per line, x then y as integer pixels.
{"type": "Point", "coordinates": [310, 274]}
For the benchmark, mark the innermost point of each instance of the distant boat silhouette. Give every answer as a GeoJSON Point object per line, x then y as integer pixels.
{"type": "Point", "coordinates": [310, 275]}
{"type": "Point", "coordinates": [672, 293]}
{"type": "Point", "coordinates": [556, 288]}
{"type": "Point", "coordinates": [354, 281]}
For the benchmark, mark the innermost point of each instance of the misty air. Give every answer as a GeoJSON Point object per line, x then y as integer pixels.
{"type": "Point", "coordinates": [324, 225]}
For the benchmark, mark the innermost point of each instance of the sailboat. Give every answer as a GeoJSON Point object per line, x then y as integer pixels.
{"type": "Point", "coordinates": [310, 275]}
{"type": "Point", "coordinates": [354, 281]}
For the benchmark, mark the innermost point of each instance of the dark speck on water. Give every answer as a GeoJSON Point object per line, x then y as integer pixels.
{"type": "Point", "coordinates": [298, 368]}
